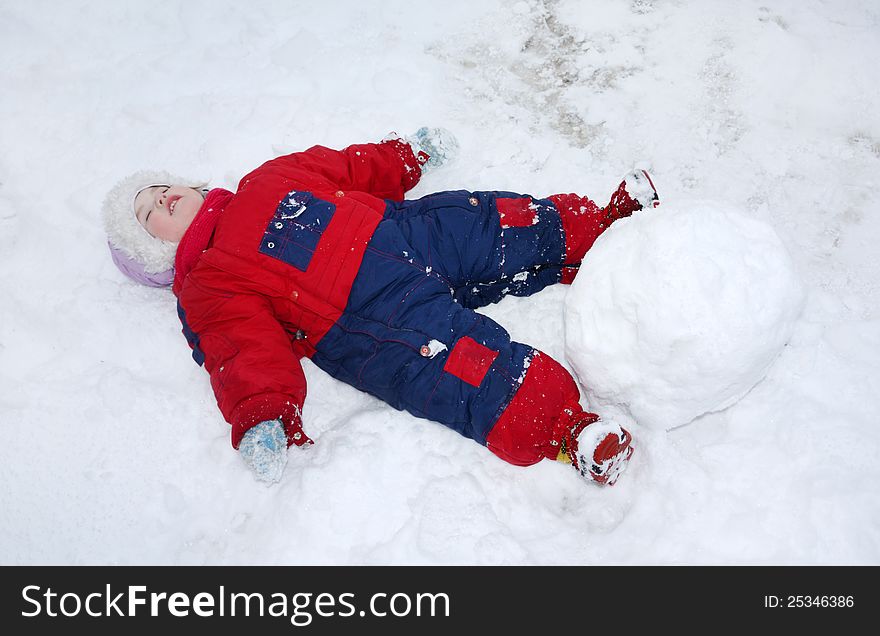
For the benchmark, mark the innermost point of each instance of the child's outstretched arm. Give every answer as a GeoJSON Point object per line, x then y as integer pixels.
{"type": "Point", "coordinates": [255, 374]}
{"type": "Point", "coordinates": [386, 170]}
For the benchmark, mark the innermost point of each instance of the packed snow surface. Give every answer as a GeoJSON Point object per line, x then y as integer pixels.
{"type": "Point", "coordinates": [113, 449]}
{"type": "Point", "coordinates": [680, 310]}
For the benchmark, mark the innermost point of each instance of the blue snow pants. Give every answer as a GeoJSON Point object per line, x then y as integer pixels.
{"type": "Point", "coordinates": [409, 334]}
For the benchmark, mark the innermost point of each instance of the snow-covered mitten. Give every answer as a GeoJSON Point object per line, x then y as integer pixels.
{"type": "Point", "coordinates": [264, 449]}
{"type": "Point", "coordinates": [437, 144]}
{"type": "Point", "coordinates": [597, 449]}
{"type": "Point", "coordinates": [635, 192]}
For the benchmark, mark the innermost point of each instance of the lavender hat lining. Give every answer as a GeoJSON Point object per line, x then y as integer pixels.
{"type": "Point", "coordinates": [136, 271]}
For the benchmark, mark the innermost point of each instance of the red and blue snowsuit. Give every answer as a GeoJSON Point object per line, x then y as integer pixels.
{"type": "Point", "coordinates": [318, 255]}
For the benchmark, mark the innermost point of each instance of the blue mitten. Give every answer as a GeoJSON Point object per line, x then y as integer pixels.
{"type": "Point", "coordinates": [264, 449]}
{"type": "Point", "coordinates": [439, 144]}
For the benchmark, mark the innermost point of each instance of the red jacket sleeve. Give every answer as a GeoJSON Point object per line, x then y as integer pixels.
{"type": "Point", "coordinates": [386, 170]}
{"type": "Point", "coordinates": [254, 372]}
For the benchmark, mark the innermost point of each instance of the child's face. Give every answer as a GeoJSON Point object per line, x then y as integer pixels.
{"type": "Point", "coordinates": [167, 211]}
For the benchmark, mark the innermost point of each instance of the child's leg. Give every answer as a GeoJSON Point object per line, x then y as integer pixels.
{"type": "Point", "coordinates": [404, 339]}
{"type": "Point", "coordinates": [583, 221]}
{"type": "Point", "coordinates": [491, 244]}
{"type": "Point", "coordinates": [486, 245]}
{"type": "Point", "coordinates": [545, 419]}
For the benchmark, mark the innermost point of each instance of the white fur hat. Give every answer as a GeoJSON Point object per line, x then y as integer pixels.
{"type": "Point", "coordinates": [126, 234]}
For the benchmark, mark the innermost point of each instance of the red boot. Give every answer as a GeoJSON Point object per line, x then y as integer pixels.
{"type": "Point", "coordinates": [598, 450]}
{"type": "Point", "coordinates": [635, 192]}
{"type": "Point", "coordinates": [583, 221]}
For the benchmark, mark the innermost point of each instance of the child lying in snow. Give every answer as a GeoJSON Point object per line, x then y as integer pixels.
{"type": "Point", "coordinates": [317, 254]}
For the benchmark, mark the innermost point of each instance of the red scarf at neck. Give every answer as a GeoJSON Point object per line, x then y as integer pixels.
{"type": "Point", "coordinates": [198, 235]}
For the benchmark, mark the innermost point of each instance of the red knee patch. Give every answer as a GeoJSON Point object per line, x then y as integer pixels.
{"type": "Point", "coordinates": [516, 212]}
{"type": "Point", "coordinates": [470, 361]}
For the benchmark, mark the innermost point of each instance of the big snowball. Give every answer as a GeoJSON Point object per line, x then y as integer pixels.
{"type": "Point", "coordinates": [680, 310]}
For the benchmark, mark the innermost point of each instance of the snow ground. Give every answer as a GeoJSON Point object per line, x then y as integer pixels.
{"type": "Point", "coordinates": [114, 451]}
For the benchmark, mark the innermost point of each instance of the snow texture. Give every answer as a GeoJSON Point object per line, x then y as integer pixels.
{"type": "Point", "coordinates": [114, 451]}
{"type": "Point", "coordinates": [680, 310]}
{"type": "Point", "coordinates": [435, 347]}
